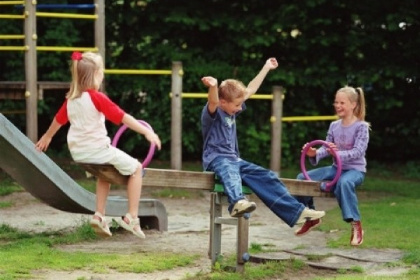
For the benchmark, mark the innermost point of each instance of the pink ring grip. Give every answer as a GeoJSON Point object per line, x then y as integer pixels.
{"type": "Point", "coordinates": [324, 186]}
{"type": "Point", "coordinates": [152, 148]}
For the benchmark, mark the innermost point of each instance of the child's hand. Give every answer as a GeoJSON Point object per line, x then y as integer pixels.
{"type": "Point", "coordinates": [43, 143]}
{"type": "Point", "coordinates": [271, 63]}
{"type": "Point", "coordinates": [209, 81]}
{"type": "Point", "coordinates": [311, 152]}
{"type": "Point", "coordinates": [153, 138]}
{"type": "Point", "coordinates": [331, 146]}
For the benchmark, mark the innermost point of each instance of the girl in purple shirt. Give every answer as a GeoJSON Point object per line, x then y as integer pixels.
{"type": "Point", "coordinates": [349, 137]}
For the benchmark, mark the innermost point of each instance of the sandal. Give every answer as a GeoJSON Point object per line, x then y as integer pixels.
{"type": "Point", "coordinates": [133, 225]}
{"type": "Point", "coordinates": [99, 225]}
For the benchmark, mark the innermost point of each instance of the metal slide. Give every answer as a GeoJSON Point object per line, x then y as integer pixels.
{"type": "Point", "coordinates": [45, 180]}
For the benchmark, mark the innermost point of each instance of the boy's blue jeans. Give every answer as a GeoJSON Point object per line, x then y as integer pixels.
{"type": "Point", "coordinates": [263, 182]}
{"type": "Point", "coordinates": [344, 190]}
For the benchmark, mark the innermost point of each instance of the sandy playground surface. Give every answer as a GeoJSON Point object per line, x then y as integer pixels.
{"type": "Point", "coordinates": [188, 230]}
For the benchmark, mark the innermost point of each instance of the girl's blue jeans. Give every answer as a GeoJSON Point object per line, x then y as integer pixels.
{"type": "Point", "coordinates": [263, 182]}
{"type": "Point", "coordinates": [344, 190]}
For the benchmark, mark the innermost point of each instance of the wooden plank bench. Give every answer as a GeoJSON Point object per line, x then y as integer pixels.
{"type": "Point", "coordinates": [196, 180]}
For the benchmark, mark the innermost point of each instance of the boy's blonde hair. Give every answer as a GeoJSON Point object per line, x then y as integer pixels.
{"type": "Point", "coordinates": [84, 74]}
{"type": "Point", "coordinates": [356, 95]}
{"type": "Point", "coordinates": [231, 89]}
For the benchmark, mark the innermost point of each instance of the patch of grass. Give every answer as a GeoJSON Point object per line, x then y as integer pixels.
{"type": "Point", "coordinates": [88, 184]}
{"type": "Point", "coordinates": [256, 248]}
{"type": "Point", "coordinates": [6, 204]}
{"type": "Point", "coordinates": [367, 277]}
{"type": "Point", "coordinates": [8, 186]}
{"type": "Point", "coordinates": [20, 253]}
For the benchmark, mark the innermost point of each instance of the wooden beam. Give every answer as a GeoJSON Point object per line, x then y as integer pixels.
{"type": "Point", "coordinates": [196, 180]}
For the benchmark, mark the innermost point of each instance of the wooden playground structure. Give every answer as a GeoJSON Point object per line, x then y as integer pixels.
{"type": "Point", "coordinates": [32, 90]}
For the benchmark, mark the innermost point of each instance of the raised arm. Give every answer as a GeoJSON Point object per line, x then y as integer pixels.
{"type": "Point", "coordinates": [253, 86]}
{"type": "Point", "coordinates": [213, 94]}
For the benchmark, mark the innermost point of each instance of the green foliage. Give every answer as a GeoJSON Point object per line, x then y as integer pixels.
{"type": "Point", "coordinates": [320, 45]}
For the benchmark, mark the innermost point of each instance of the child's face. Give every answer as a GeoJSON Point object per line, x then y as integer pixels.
{"type": "Point", "coordinates": [343, 106]}
{"type": "Point", "coordinates": [232, 107]}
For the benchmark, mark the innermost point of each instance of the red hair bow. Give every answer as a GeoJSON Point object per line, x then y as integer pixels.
{"type": "Point", "coordinates": [76, 56]}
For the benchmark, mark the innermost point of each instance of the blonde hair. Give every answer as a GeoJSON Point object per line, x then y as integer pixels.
{"type": "Point", "coordinates": [231, 89]}
{"type": "Point", "coordinates": [84, 74]}
{"type": "Point", "coordinates": [356, 95]}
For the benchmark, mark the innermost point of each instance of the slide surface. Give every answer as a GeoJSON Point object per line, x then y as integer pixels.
{"type": "Point", "coordinates": [45, 180]}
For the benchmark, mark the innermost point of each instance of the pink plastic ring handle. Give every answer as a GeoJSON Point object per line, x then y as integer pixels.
{"type": "Point", "coordinates": [336, 157]}
{"type": "Point", "coordinates": [152, 148]}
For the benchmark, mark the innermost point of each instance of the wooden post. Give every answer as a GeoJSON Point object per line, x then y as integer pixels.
{"type": "Point", "coordinates": [176, 116]}
{"type": "Point", "coordinates": [31, 71]}
{"type": "Point", "coordinates": [277, 114]}
{"type": "Point", "coordinates": [100, 28]}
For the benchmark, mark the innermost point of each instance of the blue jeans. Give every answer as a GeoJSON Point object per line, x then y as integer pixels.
{"type": "Point", "coordinates": [263, 182]}
{"type": "Point", "coordinates": [344, 190]}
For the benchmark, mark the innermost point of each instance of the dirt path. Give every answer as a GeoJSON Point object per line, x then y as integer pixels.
{"type": "Point", "coordinates": [188, 229]}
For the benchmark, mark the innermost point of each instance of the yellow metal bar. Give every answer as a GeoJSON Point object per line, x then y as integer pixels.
{"type": "Point", "coordinates": [309, 118]}
{"type": "Point", "coordinates": [12, 16]}
{"type": "Point", "coordinates": [204, 95]}
{"type": "Point", "coordinates": [66, 49]}
{"type": "Point", "coordinates": [137, 72]}
{"type": "Point", "coordinates": [65, 15]}
{"type": "Point", "coordinates": [12, 36]}
{"type": "Point", "coordinates": [12, 2]}
{"type": "Point", "coordinates": [14, 48]}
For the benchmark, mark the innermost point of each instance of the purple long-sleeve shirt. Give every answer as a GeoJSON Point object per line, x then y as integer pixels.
{"type": "Point", "coordinates": [351, 141]}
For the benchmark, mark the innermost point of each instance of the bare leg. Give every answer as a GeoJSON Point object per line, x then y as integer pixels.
{"type": "Point", "coordinates": [134, 192]}
{"type": "Point", "coordinates": [102, 192]}
{"type": "Point", "coordinates": [98, 221]}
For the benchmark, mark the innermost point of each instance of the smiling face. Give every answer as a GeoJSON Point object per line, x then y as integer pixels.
{"type": "Point", "coordinates": [231, 96]}
{"type": "Point", "coordinates": [343, 106]}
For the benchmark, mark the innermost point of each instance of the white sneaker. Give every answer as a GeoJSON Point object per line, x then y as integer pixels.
{"type": "Point", "coordinates": [309, 214]}
{"type": "Point", "coordinates": [241, 207]}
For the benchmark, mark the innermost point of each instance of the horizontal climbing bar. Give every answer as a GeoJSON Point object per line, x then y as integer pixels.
{"type": "Point", "coordinates": [12, 16]}
{"type": "Point", "coordinates": [65, 15]}
{"type": "Point", "coordinates": [308, 118]}
{"type": "Point", "coordinates": [204, 95]}
{"type": "Point", "coordinates": [137, 72]}
{"type": "Point", "coordinates": [59, 6]}
{"type": "Point", "coordinates": [10, 36]}
{"type": "Point", "coordinates": [66, 49]}
{"type": "Point", "coordinates": [14, 48]}
{"type": "Point", "coordinates": [12, 2]}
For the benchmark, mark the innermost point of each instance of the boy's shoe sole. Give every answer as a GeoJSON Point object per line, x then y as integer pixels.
{"type": "Point", "coordinates": [308, 226]}
{"type": "Point", "coordinates": [241, 207]}
{"type": "Point", "coordinates": [309, 214]}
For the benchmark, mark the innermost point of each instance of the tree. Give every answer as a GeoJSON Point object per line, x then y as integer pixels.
{"type": "Point", "coordinates": [321, 45]}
